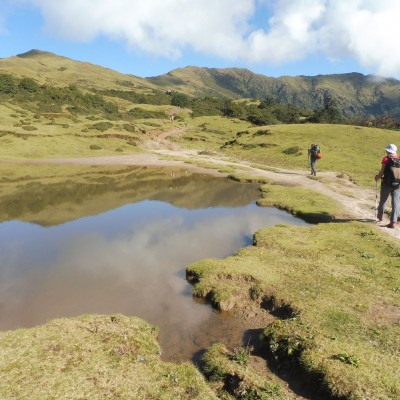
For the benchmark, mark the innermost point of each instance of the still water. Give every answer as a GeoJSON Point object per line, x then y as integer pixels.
{"type": "Point", "coordinates": [124, 249]}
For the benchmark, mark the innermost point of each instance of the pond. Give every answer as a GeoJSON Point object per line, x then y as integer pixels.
{"type": "Point", "coordinates": [118, 241]}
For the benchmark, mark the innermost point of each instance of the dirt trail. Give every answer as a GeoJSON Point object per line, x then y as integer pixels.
{"type": "Point", "coordinates": [157, 140]}
{"type": "Point", "coordinates": [358, 202]}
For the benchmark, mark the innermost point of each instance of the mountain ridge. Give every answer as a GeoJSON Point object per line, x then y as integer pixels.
{"type": "Point", "coordinates": [354, 94]}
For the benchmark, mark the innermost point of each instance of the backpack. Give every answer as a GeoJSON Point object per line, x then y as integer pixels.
{"type": "Point", "coordinates": [315, 151]}
{"type": "Point", "coordinates": [392, 172]}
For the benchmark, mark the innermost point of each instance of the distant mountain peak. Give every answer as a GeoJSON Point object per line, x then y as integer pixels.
{"type": "Point", "coordinates": [34, 53]}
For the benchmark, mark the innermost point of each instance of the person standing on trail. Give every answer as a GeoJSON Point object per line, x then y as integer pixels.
{"type": "Point", "coordinates": [387, 187]}
{"type": "Point", "coordinates": [314, 154]}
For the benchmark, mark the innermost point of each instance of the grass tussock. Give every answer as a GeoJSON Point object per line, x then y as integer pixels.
{"type": "Point", "coordinates": [93, 357]}
{"type": "Point", "coordinates": [232, 377]}
{"type": "Point", "coordinates": [244, 178]}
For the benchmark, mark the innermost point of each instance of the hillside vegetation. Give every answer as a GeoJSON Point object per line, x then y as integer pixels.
{"type": "Point", "coordinates": [54, 70]}
{"type": "Point", "coordinates": [356, 94]}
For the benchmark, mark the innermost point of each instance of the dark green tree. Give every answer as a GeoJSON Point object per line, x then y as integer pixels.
{"type": "Point", "coordinates": [234, 110]}
{"type": "Point", "coordinates": [329, 113]}
{"type": "Point", "coordinates": [7, 84]}
{"type": "Point", "coordinates": [180, 100]}
{"type": "Point", "coordinates": [267, 102]}
{"type": "Point", "coordinates": [28, 85]}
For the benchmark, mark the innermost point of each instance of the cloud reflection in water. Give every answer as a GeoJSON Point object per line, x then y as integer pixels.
{"type": "Point", "coordinates": [130, 260]}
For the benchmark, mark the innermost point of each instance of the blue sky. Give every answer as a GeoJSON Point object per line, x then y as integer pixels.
{"type": "Point", "coordinates": [152, 37]}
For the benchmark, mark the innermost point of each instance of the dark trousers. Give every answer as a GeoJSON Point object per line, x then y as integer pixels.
{"type": "Point", "coordinates": [313, 165]}
{"type": "Point", "coordinates": [386, 191]}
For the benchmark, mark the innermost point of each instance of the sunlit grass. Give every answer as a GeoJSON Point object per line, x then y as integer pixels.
{"type": "Point", "coordinates": [350, 150]}
{"type": "Point", "coordinates": [310, 206]}
{"type": "Point", "coordinates": [94, 357]}
{"type": "Point", "coordinates": [341, 282]}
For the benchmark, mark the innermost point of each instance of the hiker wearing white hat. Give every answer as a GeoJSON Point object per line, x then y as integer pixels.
{"type": "Point", "coordinates": [390, 184]}
{"type": "Point", "coordinates": [391, 148]}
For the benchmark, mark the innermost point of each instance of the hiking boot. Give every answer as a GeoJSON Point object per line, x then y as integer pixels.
{"type": "Point", "coordinates": [391, 225]}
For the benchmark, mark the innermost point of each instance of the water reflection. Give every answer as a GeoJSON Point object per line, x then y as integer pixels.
{"type": "Point", "coordinates": [128, 260]}
{"type": "Point", "coordinates": [61, 194]}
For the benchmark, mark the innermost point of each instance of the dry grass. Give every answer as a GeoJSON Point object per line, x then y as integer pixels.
{"type": "Point", "coordinates": [93, 357]}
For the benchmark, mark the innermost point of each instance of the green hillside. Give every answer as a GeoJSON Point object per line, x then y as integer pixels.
{"type": "Point", "coordinates": [53, 70]}
{"type": "Point", "coordinates": [355, 94]}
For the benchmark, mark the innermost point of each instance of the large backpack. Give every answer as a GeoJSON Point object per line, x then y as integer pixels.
{"type": "Point", "coordinates": [315, 151]}
{"type": "Point", "coordinates": [392, 172]}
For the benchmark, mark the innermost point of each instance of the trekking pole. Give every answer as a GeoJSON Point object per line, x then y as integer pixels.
{"type": "Point", "coordinates": [376, 199]}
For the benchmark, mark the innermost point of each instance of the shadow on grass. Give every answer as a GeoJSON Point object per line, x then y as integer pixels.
{"type": "Point", "coordinates": [197, 358]}
{"type": "Point", "coordinates": [324, 217]}
{"type": "Point", "coordinates": [315, 217]}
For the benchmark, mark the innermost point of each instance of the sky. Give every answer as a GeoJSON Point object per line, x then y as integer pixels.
{"type": "Point", "coordinates": [152, 37]}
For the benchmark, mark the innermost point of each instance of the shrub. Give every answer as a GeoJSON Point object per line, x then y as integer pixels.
{"type": "Point", "coordinates": [130, 128]}
{"type": "Point", "coordinates": [263, 132]}
{"type": "Point", "coordinates": [103, 126]}
{"type": "Point", "coordinates": [7, 84]}
{"type": "Point", "coordinates": [28, 85]}
{"type": "Point", "coordinates": [29, 128]}
{"type": "Point", "coordinates": [291, 150]}
{"type": "Point", "coordinates": [95, 147]}
{"type": "Point", "coordinates": [180, 100]}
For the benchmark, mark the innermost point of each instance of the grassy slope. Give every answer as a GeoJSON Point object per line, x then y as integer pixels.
{"type": "Point", "coordinates": [355, 93]}
{"type": "Point", "coordinates": [27, 135]}
{"type": "Point", "coordinates": [353, 151]}
{"type": "Point", "coordinates": [96, 357]}
{"type": "Point", "coordinates": [341, 285]}
{"type": "Point", "coordinates": [53, 70]}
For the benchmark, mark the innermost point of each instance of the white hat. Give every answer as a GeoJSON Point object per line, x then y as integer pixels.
{"type": "Point", "coordinates": [392, 148]}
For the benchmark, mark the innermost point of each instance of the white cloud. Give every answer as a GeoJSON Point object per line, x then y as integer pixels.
{"type": "Point", "coordinates": [161, 27]}
{"type": "Point", "coordinates": [365, 30]}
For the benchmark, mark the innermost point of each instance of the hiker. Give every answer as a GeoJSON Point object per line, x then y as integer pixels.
{"type": "Point", "coordinates": [387, 188]}
{"type": "Point", "coordinates": [314, 154]}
